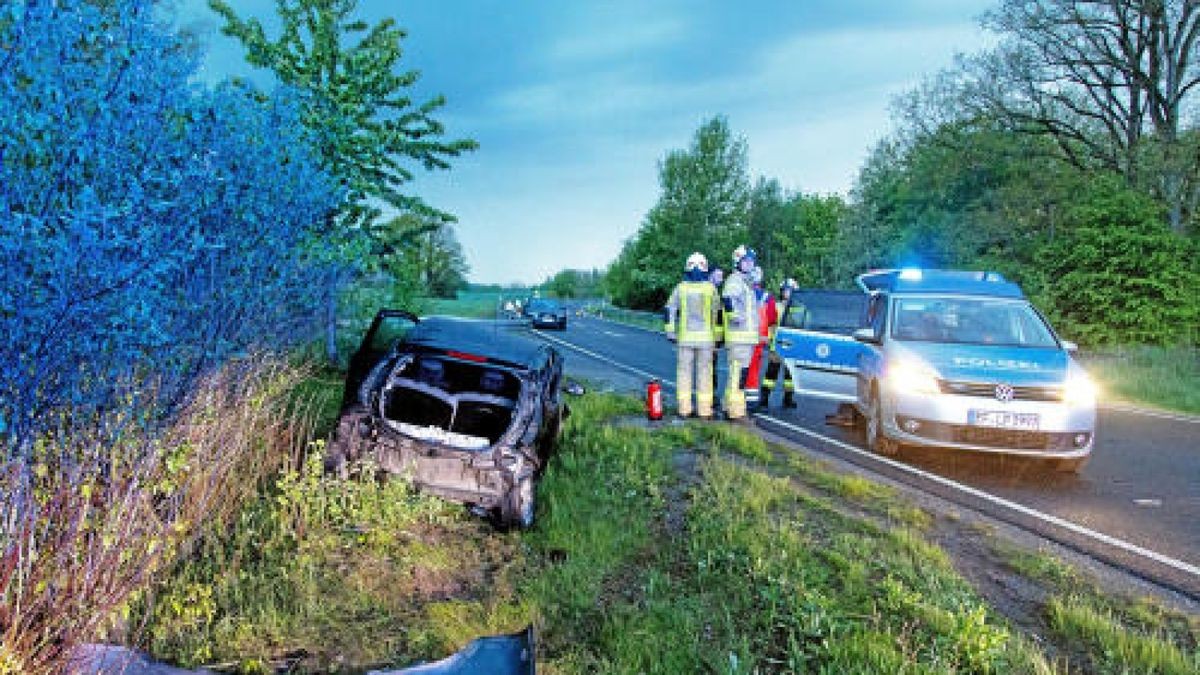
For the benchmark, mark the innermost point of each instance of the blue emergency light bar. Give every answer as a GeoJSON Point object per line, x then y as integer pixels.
{"type": "Point", "coordinates": [957, 282]}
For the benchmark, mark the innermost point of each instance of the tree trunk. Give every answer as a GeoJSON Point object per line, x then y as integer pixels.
{"type": "Point", "coordinates": [331, 352]}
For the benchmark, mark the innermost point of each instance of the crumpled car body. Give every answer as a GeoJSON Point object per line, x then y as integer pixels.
{"type": "Point", "coordinates": [511, 654]}
{"type": "Point", "coordinates": [460, 408]}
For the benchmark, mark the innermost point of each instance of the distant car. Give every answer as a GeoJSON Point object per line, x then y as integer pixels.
{"type": "Point", "coordinates": [544, 313]}
{"type": "Point", "coordinates": [469, 416]}
{"type": "Point", "coordinates": [948, 358]}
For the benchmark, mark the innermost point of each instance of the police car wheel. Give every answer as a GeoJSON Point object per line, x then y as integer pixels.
{"type": "Point", "coordinates": [877, 439]}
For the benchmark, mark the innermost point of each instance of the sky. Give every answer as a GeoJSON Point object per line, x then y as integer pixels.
{"type": "Point", "coordinates": [574, 103]}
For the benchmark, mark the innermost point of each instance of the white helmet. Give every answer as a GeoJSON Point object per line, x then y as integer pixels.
{"type": "Point", "coordinates": [696, 261]}
{"type": "Point", "coordinates": [738, 254]}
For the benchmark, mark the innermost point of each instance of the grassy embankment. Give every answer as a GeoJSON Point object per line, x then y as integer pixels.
{"type": "Point", "coordinates": [1162, 377]}
{"type": "Point", "coordinates": [681, 549]}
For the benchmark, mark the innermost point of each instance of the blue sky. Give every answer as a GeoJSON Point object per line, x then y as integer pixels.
{"type": "Point", "coordinates": [574, 103]}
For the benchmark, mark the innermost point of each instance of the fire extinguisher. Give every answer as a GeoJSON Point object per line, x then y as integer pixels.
{"type": "Point", "coordinates": [654, 405]}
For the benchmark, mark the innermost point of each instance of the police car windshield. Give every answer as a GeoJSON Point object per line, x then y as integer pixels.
{"type": "Point", "coordinates": [976, 321]}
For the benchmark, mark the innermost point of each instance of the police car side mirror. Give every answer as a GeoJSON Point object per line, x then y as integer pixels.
{"type": "Point", "coordinates": [867, 335]}
{"type": "Point", "coordinates": [1071, 347]}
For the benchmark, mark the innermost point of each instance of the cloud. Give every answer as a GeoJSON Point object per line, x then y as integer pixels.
{"type": "Point", "coordinates": [619, 42]}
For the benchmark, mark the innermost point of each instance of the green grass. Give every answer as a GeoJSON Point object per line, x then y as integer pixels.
{"type": "Point", "coordinates": [1115, 646]}
{"type": "Point", "coordinates": [678, 549]}
{"type": "Point", "coordinates": [1163, 377]}
{"type": "Point", "coordinates": [469, 304]}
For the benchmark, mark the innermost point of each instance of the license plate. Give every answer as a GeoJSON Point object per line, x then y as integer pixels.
{"type": "Point", "coordinates": [1003, 419]}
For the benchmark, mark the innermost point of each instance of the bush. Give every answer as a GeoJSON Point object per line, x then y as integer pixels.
{"type": "Point", "coordinates": [1117, 274]}
{"type": "Point", "coordinates": [149, 224]}
{"type": "Point", "coordinates": [88, 523]}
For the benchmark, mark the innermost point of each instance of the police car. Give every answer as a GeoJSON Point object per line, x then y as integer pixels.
{"type": "Point", "coordinates": [947, 359]}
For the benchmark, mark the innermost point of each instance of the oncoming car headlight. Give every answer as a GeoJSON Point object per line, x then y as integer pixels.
{"type": "Point", "coordinates": [1079, 389]}
{"type": "Point", "coordinates": [912, 376]}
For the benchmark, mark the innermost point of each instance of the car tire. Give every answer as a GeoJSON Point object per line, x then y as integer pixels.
{"type": "Point", "coordinates": [877, 438]}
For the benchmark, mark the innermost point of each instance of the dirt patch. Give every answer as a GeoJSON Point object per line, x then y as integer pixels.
{"type": "Point", "coordinates": [686, 464]}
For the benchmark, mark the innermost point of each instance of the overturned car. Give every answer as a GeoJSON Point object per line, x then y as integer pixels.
{"type": "Point", "coordinates": [467, 412]}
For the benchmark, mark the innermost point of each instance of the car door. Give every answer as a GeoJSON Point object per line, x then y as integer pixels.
{"type": "Point", "coordinates": [816, 331]}
{"type": "Point", "coordinates": [389, 328]}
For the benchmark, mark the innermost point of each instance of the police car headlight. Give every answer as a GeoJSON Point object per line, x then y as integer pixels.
{"type": "Point", "coordinates": [913, 376]}
{"type": "Point", "coordinates": [1079, 389]}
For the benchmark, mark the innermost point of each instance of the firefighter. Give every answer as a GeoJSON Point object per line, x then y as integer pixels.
{"type": "Point", "coordinates": [741, 332]}
{"type": "Point", "coordinates": [717, 276]}
{"type": "Point", "coordinates": [766, 320]}
{"type": "Point", "coordinates": [691, 318]}
{"type": "Point", "coordinates": [774, 361]}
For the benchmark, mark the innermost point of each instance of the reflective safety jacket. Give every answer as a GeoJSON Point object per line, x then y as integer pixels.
{"type": "Point", "coordinates": [742, 319]}
{"type": "Point", "coordinates": [692, 313]}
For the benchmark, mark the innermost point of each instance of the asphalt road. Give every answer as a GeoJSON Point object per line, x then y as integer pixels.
{"type": "Point", "coordinates": [1142, 485]}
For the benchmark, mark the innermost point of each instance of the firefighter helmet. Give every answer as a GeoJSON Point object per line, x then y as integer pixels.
{"type": "Point", "coordinates": [742, 252]}
{"type": "Point", "coordinates": [696, 261]}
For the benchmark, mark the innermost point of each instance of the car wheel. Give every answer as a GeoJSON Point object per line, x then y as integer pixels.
{"type": "Point", "coordinates": [877, 439]}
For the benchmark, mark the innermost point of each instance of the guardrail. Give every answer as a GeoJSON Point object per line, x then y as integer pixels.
{"type": "Point", "coordinates": [632, 317]}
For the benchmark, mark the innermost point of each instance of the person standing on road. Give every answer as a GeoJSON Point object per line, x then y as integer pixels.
{"type": "Point", "coordinates": [774, 360]}
{"type": "Point", "coordinates": [691, 318]}
{"type": "Point", "coordinates": [767, 316]}
{"type": "Point", "coordinates": [717, 277]}
{"type": "Point", "coordinates": [741, 332]}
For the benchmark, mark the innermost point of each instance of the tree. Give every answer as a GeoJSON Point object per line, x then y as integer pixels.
{"type": "Point", "coordinates": [133, 234]}
{"type": "Point", "coordinates": [370, 131]}
{"type": "Point", "coordinates": [1110, 82]}
{"type": "Point", "coordinates": [438, 260]}
{"type": "Point", "coordinates": [702, 207]}
{"type": "Point", "coordinates": [1118, 274]}
{"type": "Point", "coordinates": [575, 283]}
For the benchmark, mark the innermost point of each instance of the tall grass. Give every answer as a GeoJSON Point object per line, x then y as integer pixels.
{"type": "Point", "coordinates": [102, 506]}
{"type": "Point", "coordinates": [1166, 377]}
{"type": "Point", "coordinates": [1115, 646]}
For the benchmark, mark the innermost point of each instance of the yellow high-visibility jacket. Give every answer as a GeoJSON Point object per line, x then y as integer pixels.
{"type": "Point", "coordinates": [692, 313]}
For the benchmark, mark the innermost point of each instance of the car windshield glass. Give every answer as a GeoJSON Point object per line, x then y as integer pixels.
{"type": "Point", "coordinates": [542, 306]}
{"type": "Point", "coordinates": [979, 321]}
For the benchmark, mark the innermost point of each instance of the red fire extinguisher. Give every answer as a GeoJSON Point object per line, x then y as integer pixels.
{"type": "Point", "coordinates": [654, 405]}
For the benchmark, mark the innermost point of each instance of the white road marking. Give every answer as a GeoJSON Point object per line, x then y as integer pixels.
{"type": "Point", "coordinates": [605, 359]}
{"type": "Point", "coordinates": [609, 332]}
{"type": "Point", "coordinates": [999, 501]}
{"type": "Point", "coordinates": [1161, 414]}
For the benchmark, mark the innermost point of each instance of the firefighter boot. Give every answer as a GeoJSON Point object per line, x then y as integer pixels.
{"type": "Point", "coordinates": [764, 399]}
{"type": "Point", "coordinates": [789, 399]}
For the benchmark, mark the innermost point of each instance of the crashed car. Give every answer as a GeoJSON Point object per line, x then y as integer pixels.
{"type": "Point", "coordinates": [467, 412]}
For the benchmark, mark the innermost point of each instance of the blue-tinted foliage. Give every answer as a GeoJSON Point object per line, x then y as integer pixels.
{"type": "Point", "coordinates": [148, 225]}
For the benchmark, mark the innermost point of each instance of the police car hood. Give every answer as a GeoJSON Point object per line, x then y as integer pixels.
{"type": "Point", "coordinates": [1020, 366]}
